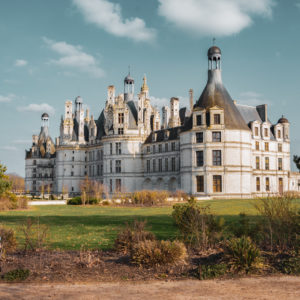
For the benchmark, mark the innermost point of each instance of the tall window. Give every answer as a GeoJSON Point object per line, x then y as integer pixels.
{"type": "Point", "coordinates": [72, 173]}
{"type": "Point", "coordinates": [280, 164]}
{"type": "Point", "coordinates": [256, 145]}
{"type": "Point", "coordinates": [199, 137]}
{"type": "Point", "coordinates": [216, 136]}
{"type": "Point", "coordinates": [121, 118]}
{"type": "Point", "coordinates": [166, 147]}
{"type": "Point", "coordinates": [110, 185]}
{"type": "Point", "coordinates": [217, 119]}
{"type": "Point", "coordinates": [199, 158]}
{"type": "Point", "coordinates": [257, 163]}
{"type": "Point", "coordinates": [267, 163]}
{"type": "Point", "coordinates": [118, 148]}
{"type": "Point", "coordinates": [279, 147]}
{"type": "Point", "coordinates": [111, 148]}
{"type": "Point", "coordinates": [173, 146]}
{"type": "Point", "coordinates": [118, 185]}
{"type": "Point", "coordinates": [266, 146]}
{"type": "Point", "coordinates": [266, 132]}
{"type": "Point", "coordinates": [148, 165]}
{"type": "Point", "coordinates": [173, 164]}
{"type": "Point", "coordinates": [217, 159]}
{"type": "Point", "coordinates": [160, 148]}
{"type": "Point", "coordinates": [200, 184]}
{"type": "Point", "coordinates": [279, 134]}
{"type": "Point", "coordinates": [199, 120]}
{"type": "Point", "coordinates": [217, 183]}
{"type": "Point", "coordinates": [148, 149]}
{"type": "Point", "coordinates": [153, 148]}
{"type": "Point", "coordinates": [166, 164]}
{"type": "Point", "coordinates": [154, 165]}
{"type": "Point", "coordinates": [160, 165]}
{"type": "Point", "coordinates": [118, 166]}
{"type": "Point", "coordinates": [257, 184]}
{"type": "Point", "coordinates": [267, 184]}
{"type": "Point", "coordinates": [256, 131]}
{"type": "Point", "coordinates": [111, 166]}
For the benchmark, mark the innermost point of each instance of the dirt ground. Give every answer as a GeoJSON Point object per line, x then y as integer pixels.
{"type": "Point", "coordinates": [275, 287]}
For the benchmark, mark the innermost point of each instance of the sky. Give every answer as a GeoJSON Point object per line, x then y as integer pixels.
{"type": "Point", "coordinates": [53, 51]}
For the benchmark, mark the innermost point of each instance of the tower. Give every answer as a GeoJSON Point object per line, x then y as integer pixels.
{"type": "Point", "coordinates": [79, 116]}
{"type": "Point", "coordinates": [145, 88]}
{"type": "Point", "coordinates": [111, 91]}
{"type": "Point", "coordinates": [165, 116]}
{"type": "Point", "coordinates": [174, 118]}
{"type": "Point", "coordinates": [128, 88]}
{"type": "Point", "coordinates": [45, 125]}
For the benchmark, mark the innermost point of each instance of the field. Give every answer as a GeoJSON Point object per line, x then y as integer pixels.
{"type": "Point", "coordinates": [70, 227]}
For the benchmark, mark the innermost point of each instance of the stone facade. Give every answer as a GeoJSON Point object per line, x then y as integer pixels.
{"type": "Point", "coordinates": [216, 148]}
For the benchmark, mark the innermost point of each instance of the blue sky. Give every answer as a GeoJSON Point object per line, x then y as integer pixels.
{"type": "Point", "coordinates": [51, 51]}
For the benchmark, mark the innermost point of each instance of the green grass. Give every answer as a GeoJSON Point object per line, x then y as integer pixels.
{"type": "Point", "coordinates": [95, 226]}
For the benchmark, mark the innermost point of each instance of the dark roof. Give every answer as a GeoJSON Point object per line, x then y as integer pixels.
{"type": "Point", "coordinates": [45, 115]}
{"type": "Point", "coordinates": [100, 126]}
{"type": "Point", "coordinates": [173, 134]}
{"type": "Point", "coordinates": [213, 50]}
{"type": "Point", "coordinates": [249, 113]}
{"type": "Point", "coordinates": [133, 115]}
{"type": "Point", "coordinates": [283, 120]}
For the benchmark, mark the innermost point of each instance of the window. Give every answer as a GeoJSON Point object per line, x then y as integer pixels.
{"type": "Point", "coordinates": [257, 184]}
{"type": "Point", "coordinates": [160, 148]}
{"type": "Point", "coordinates": [72, 173]}
{"type": "Point", "coordinates": [280, 164]}
{"type": "Point", "coordinates": [153, 149]}
{"type": "Point", "coordinates": [200, 184]}
{"type": "Point", "coordinates": [110, 185]}
{"type": "Point", "coordinates": [101, 170]}
{"type": "Point", "coordinates": [118, 185]}
{"type": "Point", "coordinates": [217, 160]}
{"type": "Point", "coordinates": [267, 184]}
{"type": "Point", "coordinates": [72, 188]}
{"type": "Point", "coordinates": [199, 120]}
{"type": "Point", "coordinates": [266, 132]}
{"type": "Point", "coordinates": [148, 165]}
{"type": "Point", "coordinates": [279, 134]}
{"type": "Point", "coordinates": [166, 147]}
{"type": "Point", "coordinates": [111, 148]}
{"type": "Point", "coordinates": [216, 136]}
{"type": "Point", "coordinates": [217, 119]}
{"type": "Point", "coordinates": [256, 131]}
{"type": "Point", "coordinates": [173, 164]}
{"type": "Point", "coordinates": [72, 158]}
{"type": "Point", "coordinates": [121, 118]}
{"type": "Point", "coordinates": [173, 146]}
{"type": "Point", "coordinates": [34, 162]}
{"type": "Point", "coordinates": [257, 163]}
{"type": "Point", "coordinates": [166, 164]}
{"type": "Point", "coordinates": [118, 166]}
{"type": "Point", "coordinates": [266, 146]}
{"type": "Point", "coordinates": [279, 147]}
{"type": "Point", "coordinates": [154, 165]}
{"type": "Point", "coordinates": [199, 158]}
{"type": "Point", "coordinates": [160, 165]}
{"type": "Point", "coordinates": [217, 183]}
{"type": "Point", "coordinates": [111, 166]}
{"type": "Point", "coordinates": [118, 148]}
{"type": "Point", "coordinates": [256, 145]}
{"type": "Point", "coordinates": [267, 163]}
{"type": "Point", "coordinates": [148, 149]}
{"type": "Point", "coordinates": [120, 130]}
{"type": "Point", "coordinates": [199, 137]}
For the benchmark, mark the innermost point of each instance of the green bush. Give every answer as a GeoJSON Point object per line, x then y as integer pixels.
{"type": "Point", "coordinates": [289, 265]}
{"type": "Point", "coordinates": [153, 253]}
{"type": "Point", "coordinates": [211, 271]}
{"type": "Point", "coordinates": [77, 201]}
{"type": "Point", "coordinates": [197, 226]}
{"type": "Point", "coordinates": [16, 275]}
{"type": "Point", "coordinates": [242, 254]}
{"type": "Point", "coordinates": [8, 240]}
{"type": "Point", "coordinates": [131, 235]}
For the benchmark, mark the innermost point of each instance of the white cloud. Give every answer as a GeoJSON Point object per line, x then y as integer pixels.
{"type": "Point", "coordinates": [21, 63]}
{"type": "Point", "coordinates": [7, 98]}
{"type": "Point", "coordinates": [8, 148]}
{"type": "Point", "coordinates": [108, 16]}
{"type": "Point", "coordinates": [252, 98]}
{"type": "Point", "coordinates": [41, 108]}
{"type": "Point", "coordinates": [74, 57]}
{"type": "Point", "coordinates": [214, 18]}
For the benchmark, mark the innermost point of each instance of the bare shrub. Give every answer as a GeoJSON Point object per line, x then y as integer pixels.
{"type": "Point", "coordinates": [154, 253]}
{"type": "Point", "coordinates": [131, 235]}
{"type": "Point", "coordinates": [149, 198]}
{"type": "Point", "coordinates": [88, 258]}
{"type": "Point", "coordinates": [35, 235]}
{"type": "Point", "coordinates": [8, 242]}
{"type": "Point", "coordinates": [180, 195]}
{"type": "Point", "coordinates": [22, 203]}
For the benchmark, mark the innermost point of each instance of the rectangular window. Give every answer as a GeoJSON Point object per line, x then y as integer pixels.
{"type": "Point", "coordinates": [118, 185]}
{"type": "Point", "coordinates": [217, 119]}
{"type": "Point", "coordinates": [217, 159]}
{"type": "Point", "coordinates": [280, 164]}
{"type": "Point", "coordinates": [72, 173]}
{"type": "Point", "coordinates": [118, 166]}
{"type": "Point", "coordinates": [267, 163]}
{"type": "Point", "coordinates": [154, 165]}
{"type": "Point", "coordinates": [267, 184]}
{"type": "Point", "coordinates": [199, 158]}
{"type": "Point", "coordinates": [256, 131]}
{"type": "Point", "coordinates": [256, 145]}
{"type": "Point", "coordinates": [166, 147]}
{"type": "Point", "coordinates": [279, 134]}
{"type": "Point", "coordinates": [111, 148]}
{"type": "Point", "coordinates": [120, 130]}
{"type": "Point", "coordinates": [160, 165]}
{"type": "Point", "coordinates": [279, 147]}
{"type": "Point", "coordinates": [257, 163]}
{"type": "Point", "coordinates": [266, 132]}
{"type": "Point", "coordinates": [110, 185]}
{"type": "Point", "coordinates": [160, 148]}
{"type": "Point", "coordinates": [199, 120]}
{"type": "Point", "coordinates": [257, 184]}
{"type": "Point", "coordinates": [266, 146]}
{"type": "Point", "coordinates": [173, 147]}
{"type": "Point", "coordinates": [166, 164]}
{"type": "Point", "coordinates": [148, 165]}
{"type": "Point", "coordinates": [173, 164]}
{"type": "Point", "coordinates": [148, 149]}
{"type": "Point", "coordinates": [153, 149]}
{"type": "Point", "coordinates": [72, 158]}
{"type": "Point", "coordinates": [111, 166]}
{"type": "Point", "coordinates": [121, 118]}
{"type": "Point", "coordinates": [216, 136]}
{"type": "Point", "coordinates": [101, 170]}
{"type": "Point", "coordinates": [199, 137]}
{"type": "Point", "coordinates": [200, 184]}
{"type": "Point", "coordinates": [217, 183]}
{"type": "Point", "coordinates": [118, 148]}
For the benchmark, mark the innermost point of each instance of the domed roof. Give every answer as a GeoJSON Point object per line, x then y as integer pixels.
{"type": "Point", "coordinates": [128, 79]}
{"type": "Point", "coordinates": [283, 120]}
{"type": "Point", "coordinates": [78, 100]}
{"type": "Point", "coordinates": [45, 115]}
{"type": "Point", "coordinates": [213, 50]}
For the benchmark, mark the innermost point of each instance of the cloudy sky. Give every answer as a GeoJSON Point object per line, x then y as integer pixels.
{"type": "Point", "coordinates": [52, 51]}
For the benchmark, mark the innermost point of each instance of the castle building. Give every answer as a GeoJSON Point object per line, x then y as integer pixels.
{"type": "Point", "coordinates": [215, 148]}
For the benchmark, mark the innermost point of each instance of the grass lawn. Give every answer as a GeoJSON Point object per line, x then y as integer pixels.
{"type": "Point", "coordinates": [93, 226]}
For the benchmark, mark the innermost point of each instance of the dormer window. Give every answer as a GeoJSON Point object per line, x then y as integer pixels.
{"type": "Point", "coordinates": [266, 131]}
{"type": "Point", "coordinates": [199, 120]}
{"type": "Point", "coordinates": [217, 119]}
{"type": "Point", "coordinates": [279, 134]}
{"type": "Point", "coordinates": [256, 131]}
{"type": "Point", "coordinates": [121, 118]}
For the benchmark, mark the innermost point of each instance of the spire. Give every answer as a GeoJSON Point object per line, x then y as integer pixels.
{"type": "Point", "coordinates": [144, 87]}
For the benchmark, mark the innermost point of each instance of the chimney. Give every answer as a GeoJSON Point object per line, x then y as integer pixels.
{"type": "Point", "coordinates": [191, 92]}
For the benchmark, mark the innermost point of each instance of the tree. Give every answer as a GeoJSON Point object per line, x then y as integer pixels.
{"type": "Point", "coordinates": [297, 161]}
{"type": "Point", "coordinates": [5, 184]}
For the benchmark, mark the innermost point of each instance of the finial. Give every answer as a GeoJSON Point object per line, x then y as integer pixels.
{"type": "Point", "coordinates": [129, 69]}
{"type": "Point", "coordinates": [214, 41]}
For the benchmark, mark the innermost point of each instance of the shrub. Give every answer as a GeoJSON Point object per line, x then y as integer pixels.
{"type": "Point", "coordinates": [8, 240]}
{"type": "Point", "coordinates": [88, 258]}
{"type": "Point", "coordinates": [149, 198]}
{"type": "Point", "coordinates": [131, 235]}
{"type": "Point", "coordinates": [244, 227]}
{"type": "Point", "coordinates": [22, 203]}
{"type": "Point", "coordinates": [16, 275]}
{"type": "Point", "coordinates": [78, 201]}
{"type": "Point", "coordinates": [211, 271]}
{"type": "Point", "coordinates": [105, 203]}
{"type": "Point", "coordinates": [242, 254]}
{"type": "Point", "coordinates": [289, 265]}
{"type": "Point", "coordinates": [197, 226]}
{"type": "Point", "coordinates": [154, 253]}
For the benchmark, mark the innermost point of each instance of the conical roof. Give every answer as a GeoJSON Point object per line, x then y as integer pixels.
{"type": "Point", "coordinates": [215, 94]}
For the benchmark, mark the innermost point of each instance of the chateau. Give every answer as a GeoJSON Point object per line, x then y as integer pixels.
{"type": "Point", "coordinates": [214, 148]}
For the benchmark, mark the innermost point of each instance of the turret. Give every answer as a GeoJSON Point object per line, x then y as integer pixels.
{"type": "Point", "coordinates": [174, 118]}
{"type": "Point", "coordinates": [111, 94]}
{"type": "Point", "coordinates": [79, 115]}
{"type": "Point", "coordinates": [128, 88]}
{"type": "Point", "coordinates": [165, 116]}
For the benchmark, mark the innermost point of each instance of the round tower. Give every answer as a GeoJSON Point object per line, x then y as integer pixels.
{"type": "Point", "coordinates": [128, 88]}
{"type": "Point", "coordinates": [214, 58]}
